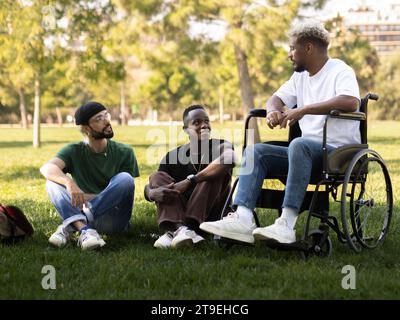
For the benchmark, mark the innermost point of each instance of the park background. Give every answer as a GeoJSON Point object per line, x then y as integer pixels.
{"type": "Point", "coordinates": [147, 60]}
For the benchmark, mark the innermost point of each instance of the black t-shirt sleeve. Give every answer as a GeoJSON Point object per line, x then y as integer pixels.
{"type": "Point", "coordinates": [164, 164]}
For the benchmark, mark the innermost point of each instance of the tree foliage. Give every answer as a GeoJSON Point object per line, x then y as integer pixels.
{"type": "Point", "coordinates": [349, 46]}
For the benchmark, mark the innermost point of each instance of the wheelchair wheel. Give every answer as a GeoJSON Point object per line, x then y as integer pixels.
{"type": "Point", "coordinates": [366, 201]}
{"type": "Point", "coordinates": [320, 244]}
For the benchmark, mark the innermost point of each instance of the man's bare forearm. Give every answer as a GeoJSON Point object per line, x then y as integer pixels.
{"type": "Point", "coordinates": [54, 173]}
{"type": "Point", "coordinates": [274, 103]}
{"type": "Point", "coordinates": [343, 103]}
{"type": "Point", "coordinates": [218, 167]}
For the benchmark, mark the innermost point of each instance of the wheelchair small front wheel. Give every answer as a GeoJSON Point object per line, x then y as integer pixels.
{"type": "Point", "coordinates": [320, 244]}
{"type": "Point", "coordinates": [366, 201]}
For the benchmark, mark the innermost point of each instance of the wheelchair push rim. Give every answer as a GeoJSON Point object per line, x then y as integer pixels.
{"type": "Point", "coordinates": [366, 202]}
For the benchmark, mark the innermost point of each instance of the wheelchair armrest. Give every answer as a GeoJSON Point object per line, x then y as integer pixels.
{"type": "Point", "coordinates": [258, 113]}
{"type": "Point", "coordinates": [358, 116]}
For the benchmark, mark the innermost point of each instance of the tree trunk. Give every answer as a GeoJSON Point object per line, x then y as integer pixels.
{"type": "Point", "coordinates": [59, 116]}
{"type": "Point", "coordinates": [124, 119]}
{"type": "Point", "coordinates": [22, 108]}
{"type": "Point", "coordinates": [36, 115]}
{"type": "Point", "coordinates": [246, 92]}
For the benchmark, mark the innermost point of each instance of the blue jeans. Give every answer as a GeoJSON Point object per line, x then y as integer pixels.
{"type": "Point", "coordinates": [109, 212]}
{"type": "Point", "coordinates": [299, 161]}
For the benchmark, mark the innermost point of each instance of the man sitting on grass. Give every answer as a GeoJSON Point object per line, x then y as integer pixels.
{"type": "Point", "coordinates": [99, 197]}
{"type": "Point", "coordinates": [192, 182]}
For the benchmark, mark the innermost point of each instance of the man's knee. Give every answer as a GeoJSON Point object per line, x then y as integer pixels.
{"type": "Point", "coordinates": [160, 178]}
{"type": "Point", "coordinates": [53, 188]}
{"type": "Point", "coordinates": [125, 181]}
{"type": "Point", "coordinates": [298, 145]}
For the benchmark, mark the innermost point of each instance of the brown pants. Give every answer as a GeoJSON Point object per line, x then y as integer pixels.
{"type": "Point", "coordinates": [205, 203]}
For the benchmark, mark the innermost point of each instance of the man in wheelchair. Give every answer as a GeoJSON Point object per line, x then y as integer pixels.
{"type": "Point", "coordinates": [318, 85]}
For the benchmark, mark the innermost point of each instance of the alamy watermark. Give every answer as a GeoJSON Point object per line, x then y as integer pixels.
{"type": "Point", "coordinates": [49, 280]}
{"type": "Point", "coordinates": [166, 141]}
{"type": "Point", "coordinates": [349, 280]}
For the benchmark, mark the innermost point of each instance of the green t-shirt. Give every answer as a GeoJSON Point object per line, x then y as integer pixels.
{"type": "Point", "coordinates": [93, 171]}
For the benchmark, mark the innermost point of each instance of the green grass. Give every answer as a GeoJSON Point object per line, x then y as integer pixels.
{"type": "Point", "coordinates": [130, 268]}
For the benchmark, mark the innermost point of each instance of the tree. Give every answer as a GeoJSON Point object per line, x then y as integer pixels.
{"type": "Point", "coordinates": [387, 87]}
{"type": "Point", "coordinates": [349, 46]}
{"type": "Point", "coordinates": [250, 26]}
{"type": "Point", "coordinates": [15, 71]}
{"type": "Point", "coordinates": [171, 84]}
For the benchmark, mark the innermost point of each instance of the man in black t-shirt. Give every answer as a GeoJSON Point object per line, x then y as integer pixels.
{"type": "Point", "coordinates": [192, 182]}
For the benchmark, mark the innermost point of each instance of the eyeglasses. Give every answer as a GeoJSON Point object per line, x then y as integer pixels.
{"type": "Point", "coordinates": [102, 117]}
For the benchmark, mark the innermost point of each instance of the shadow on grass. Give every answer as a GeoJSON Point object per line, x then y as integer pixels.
{"type": "Point", "coordinates": [384, 140]}
{"type": "Point", "coordinates": [29, 172]}
{"type": "Point", "coordinates": [23, 144]}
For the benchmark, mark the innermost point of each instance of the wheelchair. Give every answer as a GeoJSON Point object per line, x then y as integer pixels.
{"type": "Point", "coordinates": [354, 175]}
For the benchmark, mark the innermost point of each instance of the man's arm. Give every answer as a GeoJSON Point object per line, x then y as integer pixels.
{"type": "Point", "coordinates": [160, 194]}
{"type": "Point", "coordinates": [342, 102]}
{"type": "Point", "coordinates": [275, 109]}
{"type": "Point", "coordinates": [53, 171]}
{"type": "Point", "coordinates": [220, 166]}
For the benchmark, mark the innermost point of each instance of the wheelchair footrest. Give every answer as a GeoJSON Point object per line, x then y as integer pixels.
{"type": "Point", "coordinates": [295, 246]}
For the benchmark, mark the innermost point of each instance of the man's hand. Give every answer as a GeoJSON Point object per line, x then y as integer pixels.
{"type": "Point", "coordinates": [164, 193]}
{"type": "Point", "coordinates": [182, 186]}
{"type": "Point", "coordinates": [77, 195]}
{"type": "Point", "coordinates": [89, 196]}
{"type": "Point", "coordinates": [291, 116]}
{"type": "Point", "coordinates": [274, 118]}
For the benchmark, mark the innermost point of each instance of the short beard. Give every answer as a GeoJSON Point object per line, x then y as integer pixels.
{"type": "Point", "coordinates": [101, 135]}
{"type": "Point", "coordinates": [299, 68]}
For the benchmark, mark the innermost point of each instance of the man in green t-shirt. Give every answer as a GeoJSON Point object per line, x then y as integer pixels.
{"type": "Point", "coordinates": [99, 196]}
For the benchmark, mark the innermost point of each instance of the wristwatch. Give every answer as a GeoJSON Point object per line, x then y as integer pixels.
{"type": "Point", "coordinates": [192, 179]}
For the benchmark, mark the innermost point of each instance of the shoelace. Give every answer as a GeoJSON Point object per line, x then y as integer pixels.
{"type": "Point", "coordinates": [90, 232]}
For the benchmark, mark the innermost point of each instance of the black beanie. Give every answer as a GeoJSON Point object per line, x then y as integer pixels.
{"type": "Point", "coordinates": [86, 111]}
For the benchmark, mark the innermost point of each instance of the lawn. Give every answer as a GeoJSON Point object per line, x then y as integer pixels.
{"type": "Point", "coordinates": [130, 268]}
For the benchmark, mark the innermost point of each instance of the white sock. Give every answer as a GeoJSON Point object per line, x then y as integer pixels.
{"type": "Point", "coordinates": [290, 215]}
{"type": "Point", "coordinates": [245, 215]}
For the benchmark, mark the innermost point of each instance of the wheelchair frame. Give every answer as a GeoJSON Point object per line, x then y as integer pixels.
{"type": "Point", "coordinates": [344, 166]}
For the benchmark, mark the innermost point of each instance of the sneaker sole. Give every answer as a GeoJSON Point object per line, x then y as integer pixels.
{"type": "Point", "coordinates": [57, 244]}
{"type": "Point", "coordinates": [94, 247]}
{"type": "Point", "coordinates": [271, 238]}
{"type": "Point", "coordinates": [230, 235]}
{"type": "Point", "coordinates": [183, 243]}
{"type": "Point", "coordinates": [161, 247]}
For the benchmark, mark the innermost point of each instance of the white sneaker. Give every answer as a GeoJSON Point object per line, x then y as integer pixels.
{"type": "Point", "coordinates": [230, 227]}
{"type": "Point", "coordinates": [279, 231]}
{"type": "Point", "coordinates": [185, 237]}
{"type": "Point", "coordinates": [164, 241]}
{"type": "Point", "coordinates": [90, 239]}
{"type": "Point", "coordinates": [60, 237]}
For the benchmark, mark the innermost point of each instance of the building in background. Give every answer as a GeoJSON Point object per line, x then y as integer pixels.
{"type": "Point", "coordinates": [377, 21]}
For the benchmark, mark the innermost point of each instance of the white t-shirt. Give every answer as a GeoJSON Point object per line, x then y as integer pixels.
{"type": "Point", "coordinates": [334, 79]}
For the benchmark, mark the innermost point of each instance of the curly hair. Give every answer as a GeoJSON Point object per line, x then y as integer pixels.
{"type": "Point", "coordinates": [190, 108]}
{"type": "Point", "coordinates": [311, 31]}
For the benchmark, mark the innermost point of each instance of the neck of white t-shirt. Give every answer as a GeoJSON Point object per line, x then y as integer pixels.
{"type": "Point", "coordinates": [319, 67]}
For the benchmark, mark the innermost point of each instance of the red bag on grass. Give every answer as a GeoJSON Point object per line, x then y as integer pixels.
{"type": "Point", "coordinates": [14, 225]}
